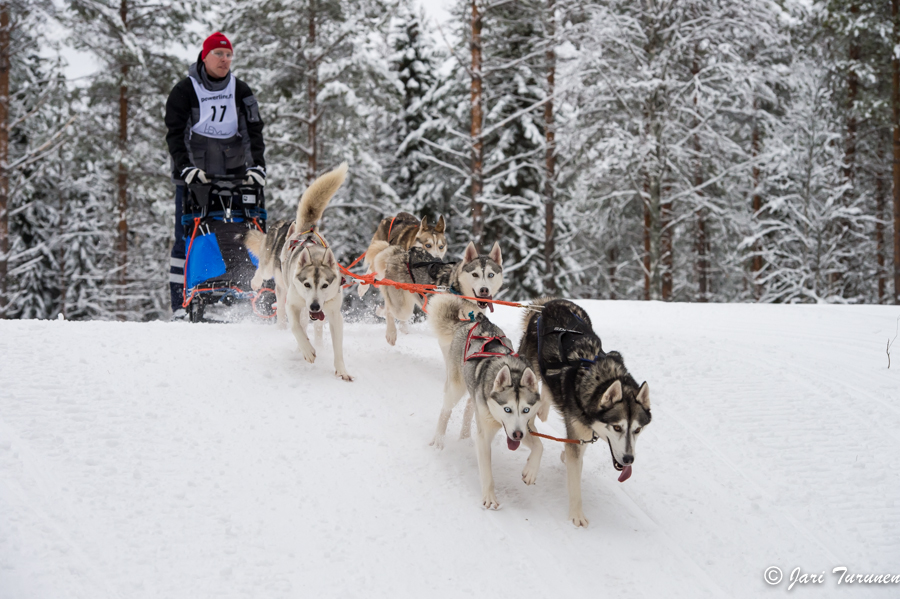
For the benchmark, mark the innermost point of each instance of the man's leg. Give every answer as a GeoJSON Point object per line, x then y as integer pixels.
{"type": "Point", "coordinates": [176, 265]}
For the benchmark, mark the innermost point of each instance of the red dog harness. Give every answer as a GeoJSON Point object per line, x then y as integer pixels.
{"type": "Point", "coordinates": [480, 348]}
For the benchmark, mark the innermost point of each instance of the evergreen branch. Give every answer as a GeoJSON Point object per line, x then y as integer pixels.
{"type": "Point", "coordinates": [446, 165]}
{"type": "Point", "coordinates": [487, 131]}
{"type": "Point", "coordinates": [428, 142]}
{"type": "Point", "coordinates": [40, 152]}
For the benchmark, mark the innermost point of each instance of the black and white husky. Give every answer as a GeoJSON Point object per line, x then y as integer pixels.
{"type": "Point", "coordinates": [592, 390]}
{"type": "Point", "coordinates": [503, 390]}
{"type": "Point", "coordinates": [307, 277]}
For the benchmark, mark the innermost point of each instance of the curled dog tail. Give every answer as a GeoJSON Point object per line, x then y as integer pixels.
{"type": "Point", "coordinates": [255, 241]}
{"type": "Point", "coordinates": [443, 314]}
{"type": "Point", "coordinates": [375, 248]}
{"type": "Point", "coordinates": [316, 197]}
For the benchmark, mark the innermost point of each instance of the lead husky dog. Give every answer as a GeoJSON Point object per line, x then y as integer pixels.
{"type": "Point", "coordinates": [307, 277]}
{"type": "Point", "coordinates": [479, 358]}
{"type": "Point", "coordinates": [591, 389]}
{"type": "Point", "coordinates": [475, 275]}
{"type": "Point", "coordinates": [406, 231]}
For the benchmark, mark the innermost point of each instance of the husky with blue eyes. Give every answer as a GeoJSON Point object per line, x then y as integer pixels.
{"type": "Point", "coordinates": [503, 390]}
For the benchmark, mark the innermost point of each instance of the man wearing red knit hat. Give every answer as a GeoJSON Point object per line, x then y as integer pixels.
{"type": "Point", "coordinates": [214, 128]}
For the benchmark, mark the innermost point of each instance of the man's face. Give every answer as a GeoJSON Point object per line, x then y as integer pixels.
{"type": "Point", "coordinates": [218, 62]}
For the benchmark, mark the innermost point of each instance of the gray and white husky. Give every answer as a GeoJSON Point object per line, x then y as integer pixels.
{"type": "Point", "coordinates": [593, 391]}
{"type": "Point", "coordinates": [476, 275]}
{"type": "Point", "coordinates": [503, 390]}
{"type": "Point", "coordinates": [307, 277]}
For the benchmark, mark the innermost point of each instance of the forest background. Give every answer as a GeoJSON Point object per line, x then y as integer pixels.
{"type": "Point", "coordinates": [675, 150]}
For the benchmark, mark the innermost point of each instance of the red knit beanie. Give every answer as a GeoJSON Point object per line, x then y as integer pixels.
{"type": "Point", "coordinates": [216, 40]}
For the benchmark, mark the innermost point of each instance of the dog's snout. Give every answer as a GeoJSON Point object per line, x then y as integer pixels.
{"type": "Point", "coordinates": [517, 435]}
{"type": "Point", "coordinates": [314, 307]}
{"type": "Point", "coordinates": [627, 459]}
{"type": "Point", "coordinates": [484, 291]}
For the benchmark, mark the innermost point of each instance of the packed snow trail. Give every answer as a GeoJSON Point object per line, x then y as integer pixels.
{"type": "Point", "coordinates": [184, 461]}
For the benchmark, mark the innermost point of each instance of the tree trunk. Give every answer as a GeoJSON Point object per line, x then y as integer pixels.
{"type": "Point", "coordinates": [312, 81]}
{"type": "Point", "coordinates": [756, 205]}
{"type": "Point", "coordinates": [613, 262]}
{"type": "Point", "coordinates": [648, 222]}
{"type": "Point", "coordinates": [665, 247]}
{"type": "Point", "coordinates": [895, 101]}
{"type": "Point", "coordinates": [550, 132]}
{"type": "Point", "coordinates": [879, 224]}
{"type": "Point", "coordinates": [61, 248]}
{"type": "Point", "coordinates": [701, 242]}
{"type": "Point", "coordinates": [852, 92]}
{"type": "Point", "coordinates": [477, 141]}
{"type": "Point", "coordinates": [122, 180]}
{"type": "Point", "coordinates": [4, 151]}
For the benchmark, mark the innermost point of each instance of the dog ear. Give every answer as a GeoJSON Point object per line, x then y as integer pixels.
{"type": "Point", "coordinates": [643, 396]}
{"type": "Point", "coordinates": [611, 395]}
{"type": "Point", "coordinates": [304, 258]}
{"type": "Point", "coordinates": [439, 227]}
{"type": "Point", "coordinates": [424, 224]}
{"type": "Point", "coordinates": [495, 254]}
{"type": "Point", "coordinates": [529, 380]}
{"type": "Point", "coordinates": [290, 229]}
{"type": "Point", "coordinates": [470, 254]}
{"type": "Point", "coordinates": [330, 260]}
{"type": "Point", "coordinates": [503, 379]}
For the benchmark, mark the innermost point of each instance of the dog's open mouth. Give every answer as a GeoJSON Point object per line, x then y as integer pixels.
{"type": "Point", "coordinates": [317, 315]}
{"type": "Point", "coordinates": [485, 305]}
{"type": "Point", "coordinates": [625, 470]}
{"type": "Point", "coordinates": [513, 445]}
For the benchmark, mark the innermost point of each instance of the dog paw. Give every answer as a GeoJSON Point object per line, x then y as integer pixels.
{"type": "Point", "coordinates": [465, 433]}
{"type": "Point", "coordinates": [489, 501]}
{"type": "Point", "coordinates": [379, 311]}
{"type": "Point", "coordinates": [344, 376]}
{"type": "Point", "coordinates": [391, 337]}
{"type": "Point", "coordinates": [308, 354]}
{"type": "Point", "coordinates": [282, 324]}
{"type": "Point", "coordinates": [529, 475]}
{"type": "Point", "coordinates": [437, 442]}
{"type": "Point", "coordinates": [578, 519]}
{"type": "Point", "coordinates": [404, 327]}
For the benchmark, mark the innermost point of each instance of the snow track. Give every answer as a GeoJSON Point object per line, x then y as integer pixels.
{"type": "Point", "coordinates": [174, 460]}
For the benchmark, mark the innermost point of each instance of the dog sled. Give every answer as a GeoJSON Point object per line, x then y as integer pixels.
{"type": "Point", "coordinates": [218, 268]}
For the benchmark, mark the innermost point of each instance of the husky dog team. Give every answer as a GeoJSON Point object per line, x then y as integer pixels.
{"type": "Point", "coordinates": [560, 361]}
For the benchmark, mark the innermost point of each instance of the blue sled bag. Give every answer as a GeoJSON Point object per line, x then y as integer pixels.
{"type": "Point", "coordinates": [204, 261]}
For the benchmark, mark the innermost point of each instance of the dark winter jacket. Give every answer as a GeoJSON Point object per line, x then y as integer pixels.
{"type": "Point", "coordinates": [215, 156]}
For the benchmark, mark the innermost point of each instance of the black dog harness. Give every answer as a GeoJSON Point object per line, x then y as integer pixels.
{"type": "Point", "coordinates": [557, 338]}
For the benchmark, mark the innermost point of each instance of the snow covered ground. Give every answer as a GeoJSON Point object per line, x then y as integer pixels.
{"type": "Point", "coordinates": [169, 460]}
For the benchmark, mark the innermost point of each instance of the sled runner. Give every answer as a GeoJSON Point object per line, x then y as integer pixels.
{"type": "Point", "coordinates": [218, 268]}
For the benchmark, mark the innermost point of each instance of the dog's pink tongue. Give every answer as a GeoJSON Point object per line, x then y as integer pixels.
{"type": "Point", "coordinates": [318, 315]}
{"type": "Point", "coordinates": [513, 445]}
{"type": "Point", "coordinates": [626, 474]}
{"type": "Point", "coordinates": [491, 306]}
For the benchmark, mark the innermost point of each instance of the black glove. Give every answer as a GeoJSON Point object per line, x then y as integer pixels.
{"type": "Point", "coordinates": [192, 172]}
{"type": "Point", "coordinates": [257, 175]}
